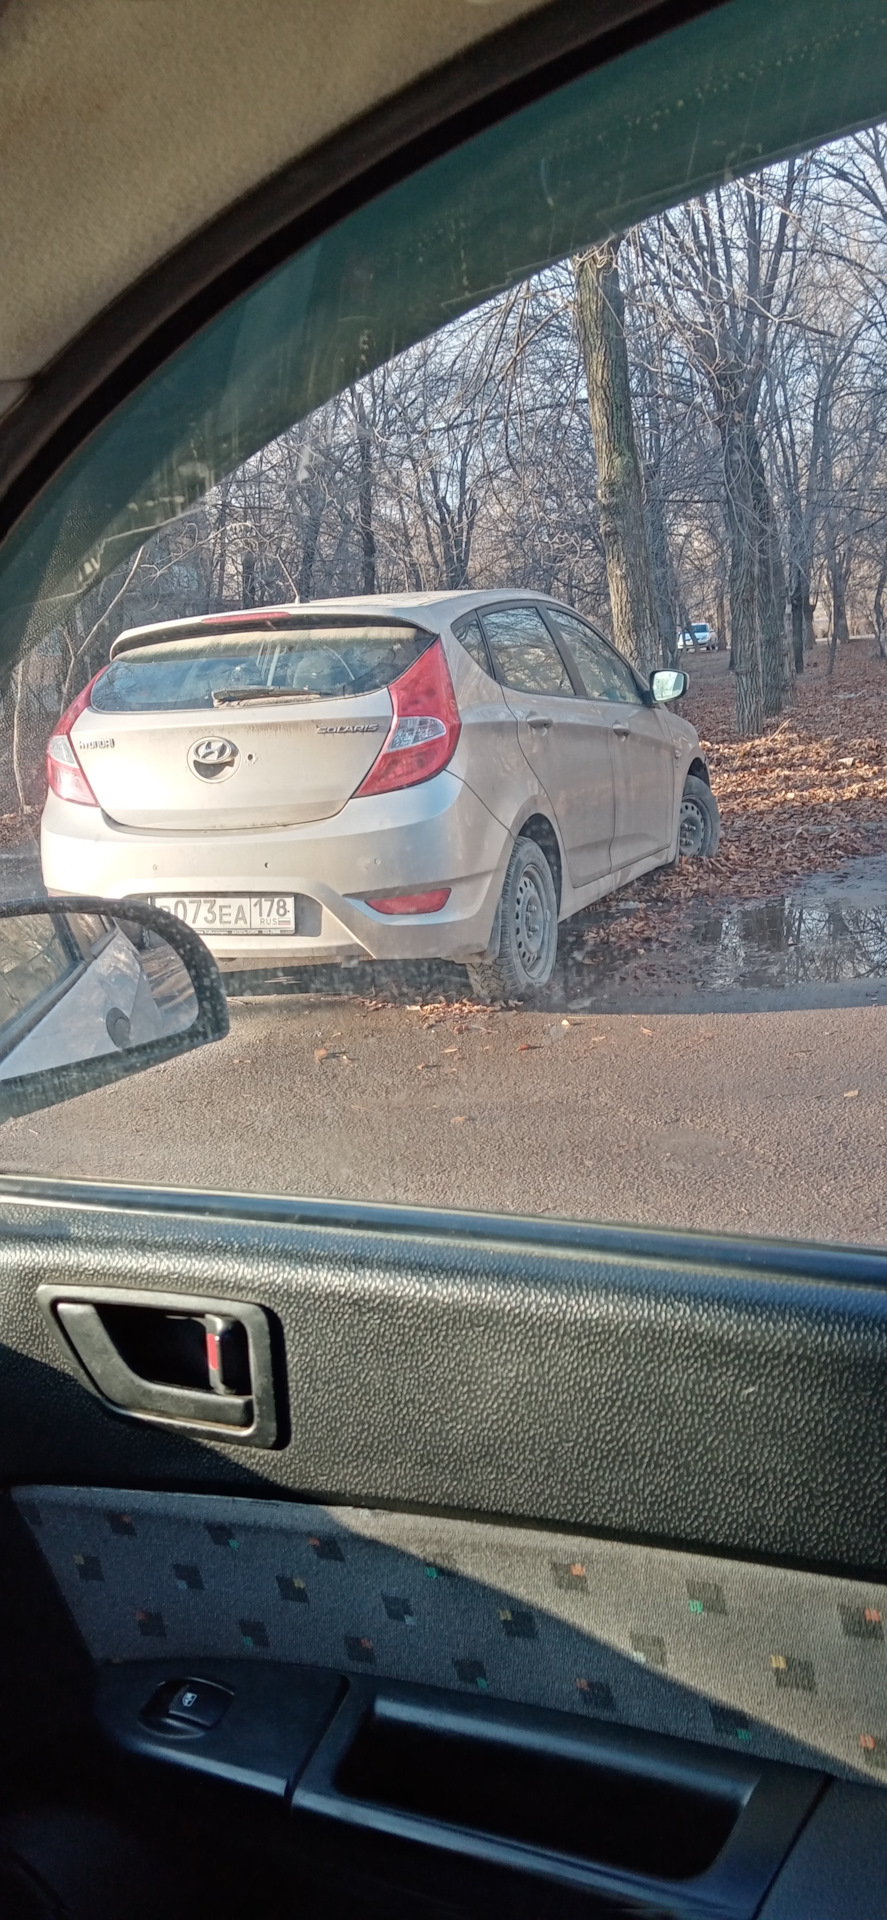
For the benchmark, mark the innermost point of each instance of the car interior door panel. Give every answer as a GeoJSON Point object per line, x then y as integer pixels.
{"type": "Point", "coordinates": [454, 1592]}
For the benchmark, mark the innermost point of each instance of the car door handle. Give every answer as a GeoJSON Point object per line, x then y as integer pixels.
{"type": "Point", "coordinates": [539, 722]}
{"type": "Point", "coordinates": [148, 1356]}
{"type": "Point", "coordinates": [620, 728]}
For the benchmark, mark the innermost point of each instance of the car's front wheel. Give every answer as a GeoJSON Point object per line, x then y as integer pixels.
{"type": "Point", "coordinates": [527, 929]}
{"type": "Point", "coordinates": [700, 819]}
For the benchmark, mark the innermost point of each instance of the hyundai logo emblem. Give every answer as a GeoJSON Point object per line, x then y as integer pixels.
{"type": "Point", "coordinates": [214, 758]}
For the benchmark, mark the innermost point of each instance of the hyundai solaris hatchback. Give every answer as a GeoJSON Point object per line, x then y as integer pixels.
{"type": "Point", "coordinates": [434, 776]}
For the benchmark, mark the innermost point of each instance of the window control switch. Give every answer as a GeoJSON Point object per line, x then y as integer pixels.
{"type": "Point", "coordinates": [189, 1706]}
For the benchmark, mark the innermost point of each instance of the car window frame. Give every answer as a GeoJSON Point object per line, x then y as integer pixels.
{"type": "Point", "coordinates": [549, 609]}
{"type": "Point", "coordinates": [530, 605]}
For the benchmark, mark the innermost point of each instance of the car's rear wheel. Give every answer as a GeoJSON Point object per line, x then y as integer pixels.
{"type": "Point", "coordinates": [700, 820]}
{"type": "Point", "coordinates": [527, 929]}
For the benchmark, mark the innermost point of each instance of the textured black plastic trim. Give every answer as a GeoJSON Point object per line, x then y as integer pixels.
{"type": "Point", "coordinates": [769, 1802]}
{"type": "Point", "coordinates": [801, 1259]}
{"type": "Point", "coordinates": [700, 1401]}
{"type": "Point", "coordinates": [275, 1718]}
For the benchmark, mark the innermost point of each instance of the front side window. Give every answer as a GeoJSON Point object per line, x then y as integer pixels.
{"type": "Point", "coordinates": [421, 413]}
{"type": "Point", "coordinates": [603, 675]}
{"type": "Point", "coordinates": [525, 654]}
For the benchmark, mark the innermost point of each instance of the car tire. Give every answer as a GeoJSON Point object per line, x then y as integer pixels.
{"type": "Point", "coordinates": [700, 829]}
{"type": "Point", "coordinates": [527, 929]}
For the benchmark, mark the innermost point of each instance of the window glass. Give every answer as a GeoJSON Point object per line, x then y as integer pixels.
{"type": "Point", "coordinates": [406, 412]}
{"type": "Point", "coordinates": [469, 635]}
{"type": "Point", "coordinates": [525, 653]}
{"type": "Point", "coordinates": [603, 675]}
{"type": "Point", "coordinates": [221, 669]}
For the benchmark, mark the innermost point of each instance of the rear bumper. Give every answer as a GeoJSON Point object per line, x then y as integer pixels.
{"type": "Point", "coordinates": [435, 835]}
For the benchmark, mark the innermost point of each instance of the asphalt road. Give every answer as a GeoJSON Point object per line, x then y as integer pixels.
{"type": "Point", "coordinates": [753, 1121]}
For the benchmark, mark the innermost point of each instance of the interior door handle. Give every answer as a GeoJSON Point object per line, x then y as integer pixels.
{"type": "Point", "coordinates": [88, 1321]}
{"type": "Point", "coordinates": [620, 728]}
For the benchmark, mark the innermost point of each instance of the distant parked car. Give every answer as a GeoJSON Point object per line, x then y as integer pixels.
{"type": "Point", "coordinates": [438, 776]}
{"type": "Point", "coordinates": [700, 636]}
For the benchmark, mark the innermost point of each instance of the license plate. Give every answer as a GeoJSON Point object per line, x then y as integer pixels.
{"type": "Point", "coordinates": [232, 912]}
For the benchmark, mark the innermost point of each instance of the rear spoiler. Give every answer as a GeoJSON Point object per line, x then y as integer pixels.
{"type": "Point", "coordinates": [261, 620]}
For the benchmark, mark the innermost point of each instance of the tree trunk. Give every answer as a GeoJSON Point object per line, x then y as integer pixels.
{"type": "Point", "coordinates": [308, 554]}
{"type": "Point", "coordinates": [660, 570]}
{"type": "Point", "coordinates": [800, 594]}
{"type": "Point", "coordinates": [223, 547]}
{"type": "Point", "coordinates": [880, 625]}
{"type": "Point", "coordinates": [770, 583]}
{"type": "Point", "coordinates": [743, 583]}
{"type": "Point", "coordinates": [809, 635]}
{"type": "Point", "coordinates": [365, 494]}
{"type": "Point", "coordinates": [839, 574]}
{"type": "Point", "coordinates": [601, 323]}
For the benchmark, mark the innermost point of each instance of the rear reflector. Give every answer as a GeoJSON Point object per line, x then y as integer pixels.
{"type": "Point", "coordinates": [64, 774]}
{"type": "Point", "coordinates": [425, 727]}
{"type": "Point", "coordinates": [412, 902]}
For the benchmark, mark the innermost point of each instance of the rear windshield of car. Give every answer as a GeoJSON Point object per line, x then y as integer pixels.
{"type": "Point", "coordinates": [209, 671]}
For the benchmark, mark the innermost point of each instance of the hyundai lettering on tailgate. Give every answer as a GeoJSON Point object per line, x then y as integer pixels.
{"type": "Point", "coordinates": [232, 912]}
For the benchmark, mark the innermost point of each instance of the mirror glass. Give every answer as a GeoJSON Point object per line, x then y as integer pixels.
{"type": "Point", "coordinates": [74, 986]}
{"type": "Point", "coordinates": [668, 684]}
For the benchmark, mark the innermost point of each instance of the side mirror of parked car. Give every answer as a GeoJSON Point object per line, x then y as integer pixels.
{"type": "Point", "coordinates": [668, 684]}
{"type": "Point", "coordinates": [93, 990]}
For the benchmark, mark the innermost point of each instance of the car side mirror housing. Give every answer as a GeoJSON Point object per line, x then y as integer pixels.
{"type": "Point", "coordinates": [668, 683]}
{"type": "Point", "coordinates": [94, 990]}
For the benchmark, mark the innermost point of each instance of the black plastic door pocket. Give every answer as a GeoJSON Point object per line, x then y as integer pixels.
{"type": "Point", "coordinates": [179, 1359]}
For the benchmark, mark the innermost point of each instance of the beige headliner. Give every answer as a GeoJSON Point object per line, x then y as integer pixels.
{"type": "Point", "coordinates": [126, 124]}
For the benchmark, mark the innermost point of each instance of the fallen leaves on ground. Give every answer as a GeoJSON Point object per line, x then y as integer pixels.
{"type": "Point", "coordinates": [808, 794]}
{"type": "Point", "coordinates": [805, 797]}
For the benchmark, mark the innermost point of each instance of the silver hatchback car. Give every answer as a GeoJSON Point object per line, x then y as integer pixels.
{"type": "Point", "coordinates": [434, 776]}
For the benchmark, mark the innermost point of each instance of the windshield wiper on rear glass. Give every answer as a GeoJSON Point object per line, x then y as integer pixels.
{"type": "Point", "coordinates": [232, 696]}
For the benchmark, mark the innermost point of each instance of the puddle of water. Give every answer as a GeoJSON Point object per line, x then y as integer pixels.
{"type": "Point", "coordinates": [829, 930]}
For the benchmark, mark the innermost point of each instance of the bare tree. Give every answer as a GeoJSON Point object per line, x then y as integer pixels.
{"type": "Point", "coordinates": [601, 320]}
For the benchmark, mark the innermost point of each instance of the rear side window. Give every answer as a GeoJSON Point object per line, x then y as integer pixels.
{"type": "Point", "coordinates": [227, 670]}
{"type": "Point", "coordinates": [470, 637]}
{"type": "Point", "coordinates": [603, 675]}
{"type": "Point", "coordinates": [525, 653]}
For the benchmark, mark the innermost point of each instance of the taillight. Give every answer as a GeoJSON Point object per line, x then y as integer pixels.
{"type": "Point", "coordinates": [425, 726]}
{"type": "Point", "coordinates": [412, 902]}
{"type": "Point", "coordinates": [63, 770]}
